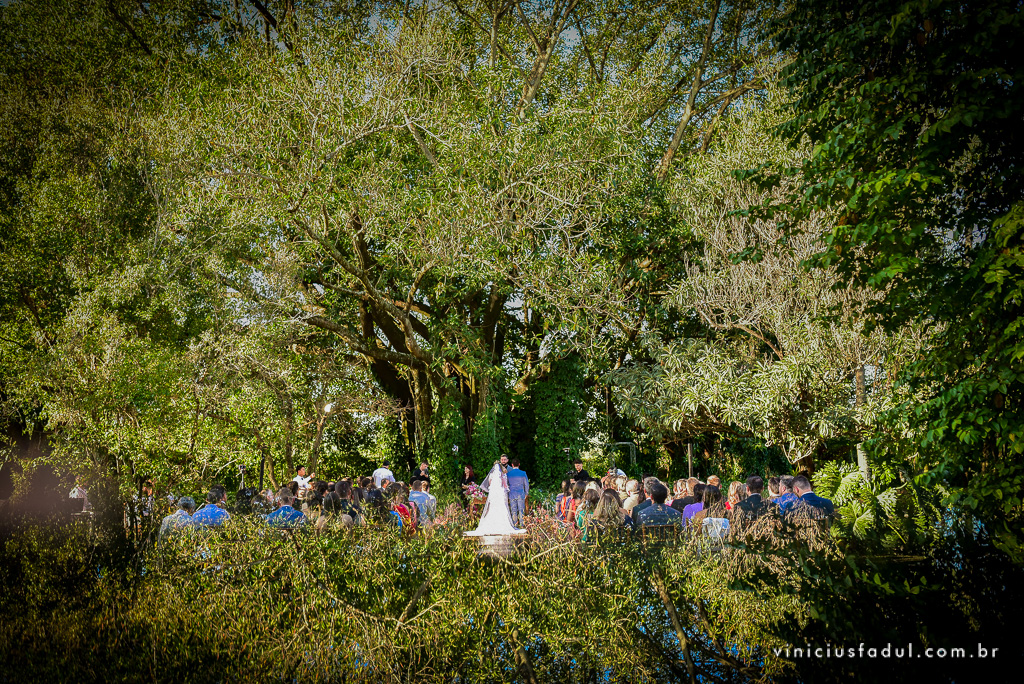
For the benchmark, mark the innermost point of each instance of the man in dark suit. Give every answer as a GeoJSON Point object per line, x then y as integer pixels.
{"type": "Point", "coordinates": [753, 507]}
{"type": "Point", "coordinates": [645, 494]}
{"type": "Point", "coordinates": [809, 503]}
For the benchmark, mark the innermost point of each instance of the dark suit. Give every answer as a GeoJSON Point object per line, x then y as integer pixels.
{"type": "Point", "coordinates": [645, 503]}
{"type": "Point", "coordinates": [813, 506]}
{"type": "Point", "coordinates": [752, 508]}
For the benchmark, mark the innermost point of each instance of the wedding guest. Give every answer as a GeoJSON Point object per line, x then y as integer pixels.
{"type": "Point", "coordinates": [712, 506]}
{"type": "Point", "coordinates": [213, 513]}
{"type": "Point", "coordinates": [399, 504]}
{"type": "Point", "coordinates": [468, 478]}
{"type": "Point", "coordinates": [737, 493]}
{"type": "Point", "coordinates": [561, 497]}
{"type": "Point", "coordinates": [572, 503]}
{"type": "Point", "coordinates": [712, 520]}
{"type": "Point", "coordinates": [425, 504]}
{"type": "Point", "coordinates": [645, 496]}
{"type": "Point", "coordinates": [286, 515]}
{"type": "Point", "coordinates": [753, 507]}
{"type": "Point", "coordinates": [786, 497]}
{"type": "Point", "coordinates": [585, 510]}
{"type": "Point", "coordinates": [632, 496]}
{"type": "Point", "coordinates": [608, 516]}
{"type": "Point", "coordinates": [657, 513]}
{"type": "Point", "coordinates": [678, 491]}
{"type": "Point", "coordinates": [382, 475]}
{"type": "Point", "coordinates": [178, 521]}
{"type": "Point", "coordinates": [698, 505]}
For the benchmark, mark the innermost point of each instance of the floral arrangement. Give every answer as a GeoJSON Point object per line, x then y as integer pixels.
{"type": "Point", "coordinates": [475, 491]}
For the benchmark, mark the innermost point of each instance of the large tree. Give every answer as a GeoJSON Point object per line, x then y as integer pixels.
{"type": "Point", "coordinates": [451, 191]}
{"type": "Point", "coordinates": [782, 353]}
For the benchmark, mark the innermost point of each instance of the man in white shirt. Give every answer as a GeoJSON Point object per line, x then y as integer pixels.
{"type": "Point", "coordinates": [302, 479]}
{"type": "Point", "coordinates": [383, 474]}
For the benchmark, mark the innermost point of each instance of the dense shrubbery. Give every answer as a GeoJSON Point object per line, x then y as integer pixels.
{"type": "Point", "coordinates": [249, 603]}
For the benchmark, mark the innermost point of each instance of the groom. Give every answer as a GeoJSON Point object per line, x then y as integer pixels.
{"type": "Point", "coordinates": [518, 488]}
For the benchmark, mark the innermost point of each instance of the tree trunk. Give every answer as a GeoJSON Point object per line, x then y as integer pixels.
{"type": "Point", "coordinates": [862, 397]}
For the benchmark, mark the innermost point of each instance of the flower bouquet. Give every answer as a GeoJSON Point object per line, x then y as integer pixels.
{"type": "Point", "coordinates": [475, 491]}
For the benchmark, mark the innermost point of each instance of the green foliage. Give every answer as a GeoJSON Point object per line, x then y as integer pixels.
{"type": "Point", "coordinates": [770, 364]}
{"type": "Point", "coordinates": [558, 405]}
{"type": "Point", "coordinates": [893, 513]}
{"type": "Point", "coordinates": [913, 115]}
{"type": "Point", "coordinates": [445, 448]}
{"type": "Point", "coordinates": [389, 608]}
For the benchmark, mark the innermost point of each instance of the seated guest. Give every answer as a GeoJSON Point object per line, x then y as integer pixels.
{"type": "Point", "coordinates": [712, 506]}
{"type": "Point", "coordinates": [645, 496]}
{"type": "Point", "coordinates": [608, 515]}
{"type": "Point", "coordinates": [591, 497]}
{"type": "Point", "coordinates": [715, 481]}
{"type": "Point", "coordinates": [330, 513]}
{"type": "Point", "coordinates": [178, 521]}
{"type": "Point", "coordinates": [378, 510]}
{"type": "Point", "coordinates": [286, 514]}
{"type": "Point", "coordinates": [345, 503]}
{"type": "Point", "coordinates": [786, 496]}
{"type": "Point", "coordinates": [712, 518]}
{"type": "Point", "coordinates": [426, 505]}
{"type": "Point", "coordinates": [657, 513]}
{"type": "Point", "coordinates": [752, 507]}
{"type": "Point", "coordinates": [633, 496]}
{"type": "Point", "coordinates": [264, 503]}
{"type": "Point", "coordinates": [561, 497]}
{"type": "Point", "coordinates": [698, 505]}
{"type": "Point", "coordinates": [572, 503]}
{"type": "Point", "coordinates": [678, 491]}
{"type": "Point", "coordinates": [399, 504]}
{"type": "Point", "coordinates": [620, 486]}
{"type": "Point", "coordinates": [737, 493]}
{"type": "Point", "coordinates": [773, 488]}
{"type": "Point", "coordinates": [212, 514]}
{"type": "Point", "coordinates": [681, 504]}
{"type": "Point", "coordinates": [808, 503]}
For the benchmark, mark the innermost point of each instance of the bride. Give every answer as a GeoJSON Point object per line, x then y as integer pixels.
{"type": "Point", "coordinates": [496, 519]}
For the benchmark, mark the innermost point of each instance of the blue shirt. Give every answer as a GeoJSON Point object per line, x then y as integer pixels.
{"type": "Point", "coordinates": [786, 501]}
{"type": "Point", "coordinates": [518, 483]}
{"type": "Point", "coordinates": [211, 515]}
{"type": "Point", "coordinates": [286, 516]}
{"type": "Point", "coordinates": [425, 503]}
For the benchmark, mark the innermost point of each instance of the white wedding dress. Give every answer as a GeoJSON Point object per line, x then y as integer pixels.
{"type": "Point", "coordinates": [496, 519]}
